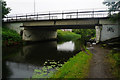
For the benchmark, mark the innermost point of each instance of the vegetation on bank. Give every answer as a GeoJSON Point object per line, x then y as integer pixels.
{"type": "Point", "coordinates": [85, 33]}
{"type": "Point", "coordinates": [67, 35]}
{"type": "Point", "coordinates": [114, 56]}
{"type": "Point", "coordinates": [76, 67]}
{"type": "Point", "coordinates": [114, 59]}
{"type": "Point", "coordinates": [10, 37]}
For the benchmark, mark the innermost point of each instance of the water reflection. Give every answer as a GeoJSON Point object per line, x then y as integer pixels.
{"type": "Point", "coordinates": [20, 70]}
{"type": "Point", "coordinates": [22, 61]}
{"type": "Point", "coordinates": [67, 46]}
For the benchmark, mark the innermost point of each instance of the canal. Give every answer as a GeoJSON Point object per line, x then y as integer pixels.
{"type": "Point", "coordinates": [29, 60]}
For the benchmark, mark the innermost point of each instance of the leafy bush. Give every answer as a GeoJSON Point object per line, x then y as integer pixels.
{"type": "Point", "coordinates": [10, 37]}
{"type": "Point", "coordinates": [85, 33]}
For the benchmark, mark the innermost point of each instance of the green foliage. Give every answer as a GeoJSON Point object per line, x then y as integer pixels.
{"type": "Point", "coordinates": [76, 67]}
{"type": "Point", "coordinates": [43, 73]}
{"type": "Point", "coordinates": [48, 70]}
{"type": "Point", "coordinates": [67, 35]}
{"type": "Point", "coordinates": [5, 10]}
{"type": "Point", "coordinates": [85, 33]}
{"type": "Point", "coordinates": [113, 6]}
{"type": "Point", "coordinates": [115, 17]}
{"type": "Point", "coordinates": [10, 37]}
{"type": "Point", "coordinates": [114, 59]}
{"type": "Point", "coordinates": [116, 56]}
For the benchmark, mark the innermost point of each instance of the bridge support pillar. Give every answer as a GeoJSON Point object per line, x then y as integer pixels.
{"type": "Point", "coordinates": [39, 34]}
{"type": "Point", "coordinates": [98, 33]}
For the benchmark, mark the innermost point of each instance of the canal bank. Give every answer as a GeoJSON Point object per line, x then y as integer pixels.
{"type": "Point", "coordinates": [76, 67]}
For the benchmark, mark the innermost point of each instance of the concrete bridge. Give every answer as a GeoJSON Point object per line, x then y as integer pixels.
{"type": "Point", "coordinates": [43, 26]}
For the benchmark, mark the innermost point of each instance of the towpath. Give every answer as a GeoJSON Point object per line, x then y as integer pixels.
{"type": "Point", "coordinates": [99, 68]}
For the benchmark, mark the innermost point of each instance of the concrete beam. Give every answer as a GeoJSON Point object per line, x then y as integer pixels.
{"type": "Point", "coordinates": [38, 23]}
{"type": "Point", "coordinates": [61, 27]}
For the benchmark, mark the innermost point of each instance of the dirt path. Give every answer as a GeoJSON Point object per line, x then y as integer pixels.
{"type": "Point", "coordinates": [99, 68]}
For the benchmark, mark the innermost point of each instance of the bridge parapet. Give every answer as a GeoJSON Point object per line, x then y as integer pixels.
{"type": "Point", "coordinates": [58, 15]}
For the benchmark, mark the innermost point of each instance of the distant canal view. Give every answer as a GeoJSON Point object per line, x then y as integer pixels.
{"type": "Point", "coordinates": [23, 62]}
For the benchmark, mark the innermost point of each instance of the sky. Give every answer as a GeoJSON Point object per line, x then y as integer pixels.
{"type": "Point", "coordinates": [27, 6]}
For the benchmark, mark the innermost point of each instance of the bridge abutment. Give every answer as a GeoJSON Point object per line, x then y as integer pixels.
{"type": "Point", "coordinates": [39, 34]}
{"type": "Point", "coordinates": [98, 33]}
{"type": "Point", "coordinates": [110, 31]}
{"type": "Point", "coordinates": [107, 32]}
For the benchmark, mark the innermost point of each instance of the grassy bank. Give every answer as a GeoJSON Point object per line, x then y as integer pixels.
{"type": "Point", "coordinates": [114, 56]}
{"type": "Point", "coordinates": [76, 67]}
{"type": "Point", "coordinates": [114, 59]}
{"type": "Point", "coordinates": [10, 37]}
{"type": "Point", "coordinates": [67, 35]}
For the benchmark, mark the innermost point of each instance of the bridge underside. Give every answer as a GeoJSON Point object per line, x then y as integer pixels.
{"type": "Point", "coordinates": [61, 27]}
{"type": "Point", "coordinates": [39, 34]}
{"type": "Point", "coordinates": [43, 32]}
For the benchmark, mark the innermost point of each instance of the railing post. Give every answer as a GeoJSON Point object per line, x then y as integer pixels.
{"type": "Point", "coordinates": [16, 17]}
{"type": "Point", "coordinates": [62, 15]}
{"type": "Point", "coordinates": [77, 13]}
{"type": "Point", "coordinates": [7, 18]}
{"type": "Point", "coordinates": [26, 17]}
{"type": "Point", "coordinates": [109, 13]}
{"type": "Point", "coordinates": [49, 15]}
{"type": "Point", "coordinates": [70, 16]}
{"type": "Point", "coordinates": [37, 16]}
{"type": "Point", "coordinates": [93, 13]}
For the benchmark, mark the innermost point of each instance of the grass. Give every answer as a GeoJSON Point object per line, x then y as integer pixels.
{"type": "Point", "coordinates": [114, 59]}
{"type": "Point", "coordinates": [10, 37]}
{"type": "Point", "coordinates": [76, 67]}
{"type": "Point", "coordinates": [67, 35]}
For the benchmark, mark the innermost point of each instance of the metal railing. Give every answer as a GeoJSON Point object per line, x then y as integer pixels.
{"type": "Point", "coordinates": [59, 15]}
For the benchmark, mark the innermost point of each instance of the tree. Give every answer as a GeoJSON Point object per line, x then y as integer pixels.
{"type": "Point", "coordinates": [113, 6]}
{"type": "Point", "coordinates": [5, 10]}
{"type": "Point", "coordinates": [85, 33]}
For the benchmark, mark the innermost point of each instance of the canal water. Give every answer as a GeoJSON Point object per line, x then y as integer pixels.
{"type": "Point", "coordinates": [38, 58]}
